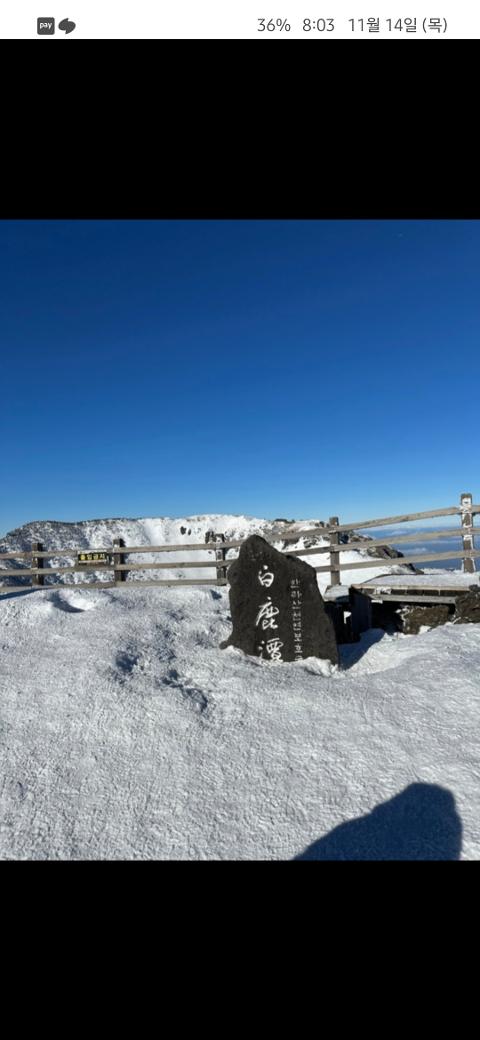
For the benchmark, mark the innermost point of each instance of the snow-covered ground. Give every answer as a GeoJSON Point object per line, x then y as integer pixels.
{"type": "Point", "coordinates": [126, 733]}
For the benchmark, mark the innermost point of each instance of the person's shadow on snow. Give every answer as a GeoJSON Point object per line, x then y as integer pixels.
{"type": "Point", "coordinates": [420, 823]}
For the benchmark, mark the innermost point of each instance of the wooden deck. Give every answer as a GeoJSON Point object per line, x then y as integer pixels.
{"type": "Point", "coordinates": [426, 588]}
{"type": "Point", "coordinates": [355, 602]}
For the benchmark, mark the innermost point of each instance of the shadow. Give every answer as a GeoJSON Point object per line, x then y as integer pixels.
{"type": "Point", "coordinates": [350, 653]}
{"type": "Point", "coordinates": [126, 661]}
{"type": "Point", "coordinates": [16, 592]}
{"type": "Point", "coordinates": [420, 823]}
{"type": "Point", "coordinates": [63, 604]}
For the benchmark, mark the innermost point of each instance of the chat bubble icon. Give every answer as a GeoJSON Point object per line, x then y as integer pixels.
{"type": "Point", "coordinates": [66, 25]}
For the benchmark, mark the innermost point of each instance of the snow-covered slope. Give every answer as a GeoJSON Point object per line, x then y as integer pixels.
{"type": "Point", "coordinates": [99, 534]}
{"type": "Point", "coordinates": [125, 732]}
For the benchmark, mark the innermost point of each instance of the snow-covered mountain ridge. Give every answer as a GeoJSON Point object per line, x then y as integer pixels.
{"type": "Point", "coordinates": [99, 534]}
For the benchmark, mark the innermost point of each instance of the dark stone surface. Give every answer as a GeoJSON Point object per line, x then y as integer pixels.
{"type": "Point", "coordinates": [387, 616]}
{"type": "Point", "coordinates": [409, 619]}
{"type": "Point", "coordinates": [467, 607]}
{"type": "Point", "coordinates": [276, 607]}
{"type": "Point", "coordinates": [336, 613]}
{"type": "Point", "coordinates": [414, 616]}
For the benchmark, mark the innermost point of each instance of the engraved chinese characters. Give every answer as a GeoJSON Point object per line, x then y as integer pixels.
{"type": "Point", "coordinates": [296, 597]}
{"type": "Point", "coordinates": [277, 610]}
{"type": "Point", "coordinates": [266, 619]}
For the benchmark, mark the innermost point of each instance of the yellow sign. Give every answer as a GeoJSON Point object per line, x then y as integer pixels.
{"type": "Point", "coordinates": [93, 557]}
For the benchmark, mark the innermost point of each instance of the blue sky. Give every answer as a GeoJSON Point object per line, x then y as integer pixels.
{"type": "Point", "coordinates": [273, 368]}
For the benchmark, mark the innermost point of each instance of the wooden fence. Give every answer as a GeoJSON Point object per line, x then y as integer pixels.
{"type": "Point", "coordinates": [219, 549]}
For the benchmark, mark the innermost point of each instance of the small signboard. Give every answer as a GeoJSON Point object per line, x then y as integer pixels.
{"type": "Point", "coordinates": [93, 557]}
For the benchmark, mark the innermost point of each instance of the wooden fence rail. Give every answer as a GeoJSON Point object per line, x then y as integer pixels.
{"type": "Point", "coordinates": [219, 548]}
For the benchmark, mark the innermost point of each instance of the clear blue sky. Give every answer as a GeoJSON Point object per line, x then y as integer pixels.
{"type": "Point", "coordinates": [272, 368]}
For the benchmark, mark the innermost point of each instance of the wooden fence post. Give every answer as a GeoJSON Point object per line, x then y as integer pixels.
{"type": "Point", "coordinates": [37, 561]}
{"type": "Point", "coordinates": [467, 536]}
{"type": "Point", "coordinates": [119, 558]}
{"type": "Point", "coordinates": [334, 556]}
{"type": "Point", "coordinates": [220, 554]}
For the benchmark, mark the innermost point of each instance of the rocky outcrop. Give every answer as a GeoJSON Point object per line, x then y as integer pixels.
{"type": "Point", "coordinates": [465, 611]}
{"type": "Point", "coordinates": [415, 616]}
{"type": "Point", "coordinates": [380, 552]}
{"type": "Point", "coordinates": [467, 607]}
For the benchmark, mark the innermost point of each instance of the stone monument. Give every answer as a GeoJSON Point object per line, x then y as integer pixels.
{"type": "Point", "coordinates": [277, 610]}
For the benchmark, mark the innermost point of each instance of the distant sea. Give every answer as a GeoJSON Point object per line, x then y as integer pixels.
{"type": "Point", "coordinates": [436, 545]}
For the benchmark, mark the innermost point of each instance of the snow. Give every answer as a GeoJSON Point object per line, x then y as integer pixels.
{"type": "Point", "coordinates": [433, 579]}
{"type": "Point", "coordinates": [99, 534]}
{"type": "Point", "coordinates": [126, 733]}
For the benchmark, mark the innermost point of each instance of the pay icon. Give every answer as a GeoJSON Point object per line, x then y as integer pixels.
{"type": "Point", "coordinates": [45, 26]}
